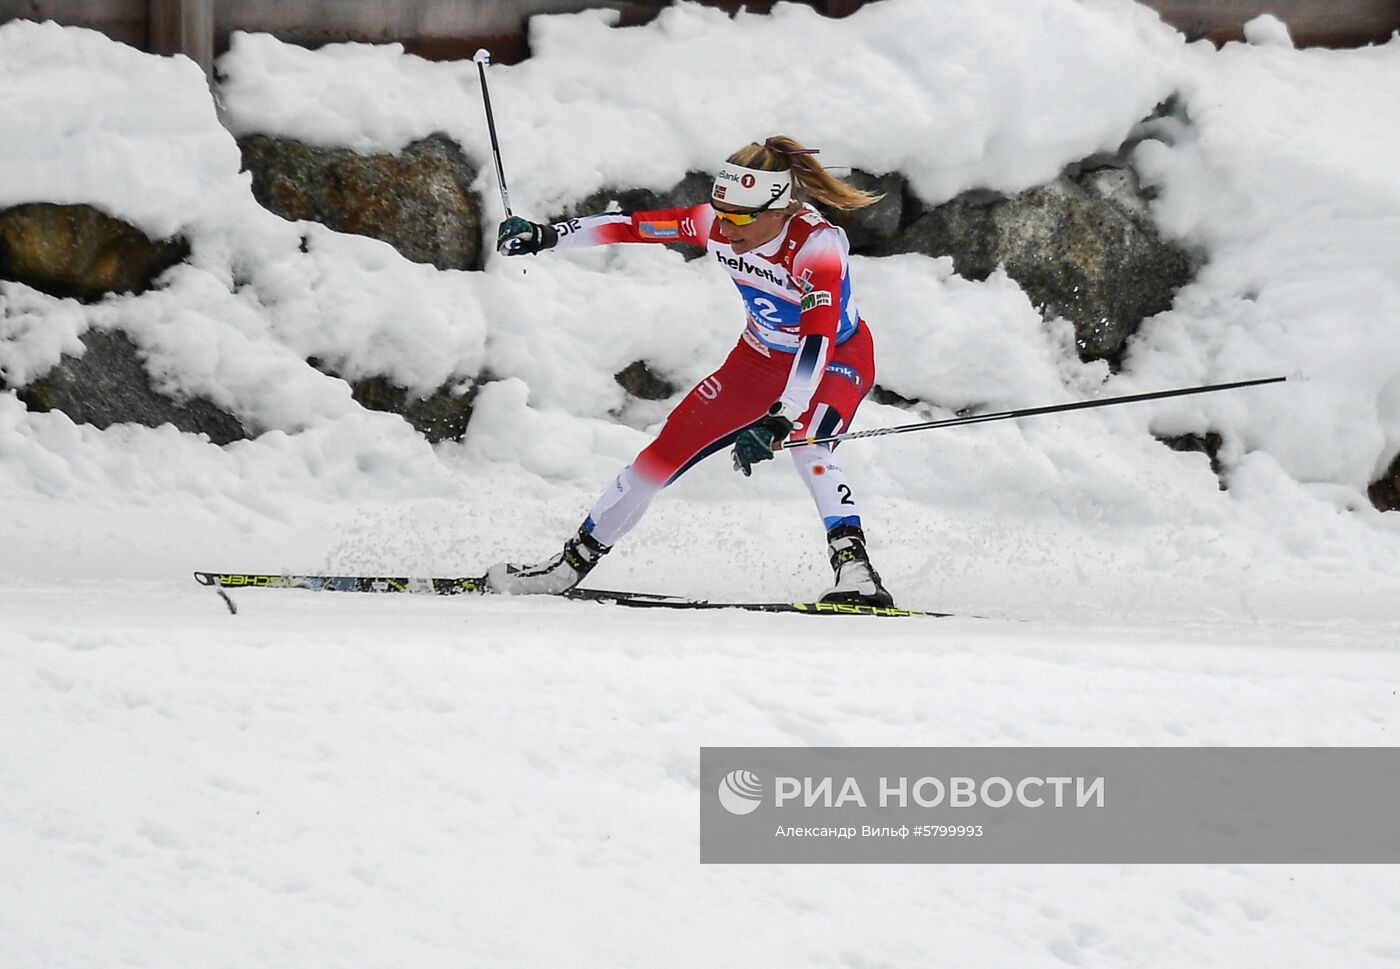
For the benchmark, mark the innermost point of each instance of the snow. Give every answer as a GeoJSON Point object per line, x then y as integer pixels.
{"type": "Point", "coordinates": [326, 780]}
{"type": "Point", "coordinates": [343, 782]}
{"type": "Point", "coordinates": [1267, 30]}
{"type": "Point", "coordinates": [106, 125]}
{"type": "Point", "coordinates": [976, 100]}
{"type": "Point", "coordinates": [1304, 249]}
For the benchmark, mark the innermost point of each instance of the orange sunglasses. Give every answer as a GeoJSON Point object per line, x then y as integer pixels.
{"type": "Point", "coordinates": [737, 218]}
{"type": "Point", "coordinates": [746, 218]}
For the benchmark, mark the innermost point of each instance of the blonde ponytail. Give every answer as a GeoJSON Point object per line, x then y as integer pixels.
{"type": "Point", "coordinates": [781, 153]}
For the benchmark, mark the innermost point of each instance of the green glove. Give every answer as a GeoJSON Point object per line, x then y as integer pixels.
{"type": "Point", "coordinates": [755, 442]}
{"type": "Point", "coordinates": [521, 237]}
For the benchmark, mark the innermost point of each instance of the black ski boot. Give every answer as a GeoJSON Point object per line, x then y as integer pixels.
{"type": "Point", "coordinates": [857, 582]}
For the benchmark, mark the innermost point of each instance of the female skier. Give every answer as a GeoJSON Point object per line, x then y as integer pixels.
{"type": "Point", "coordinates": [805, 360]}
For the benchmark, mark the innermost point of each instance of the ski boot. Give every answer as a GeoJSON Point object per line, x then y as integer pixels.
{"type": "Point", "coordinates": [553, 577]}
{"type": "Point", "coordinates": [857, 582]}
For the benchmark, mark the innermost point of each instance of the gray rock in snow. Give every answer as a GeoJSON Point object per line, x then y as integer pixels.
{"type": "Point", "coordinates": [877, 224]}
{"type": "Point", "coordinates": [1082, 247]}
{"type": "Point", "coordinates": [639, 380]}
{"type": "Point", "coordinates": [419, 201]}
{"type": "Point", "coordinates": [108, 384]}
{"type": "Point", "coordinates": [442, 415]}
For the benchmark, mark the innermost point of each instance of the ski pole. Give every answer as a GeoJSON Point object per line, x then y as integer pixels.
{"type": "Point", "coordinates": [1025, 412]}
{"type": "Point", "coordinates": [482, 58]}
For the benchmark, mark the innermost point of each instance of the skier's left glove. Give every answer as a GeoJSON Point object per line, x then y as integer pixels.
{"type": "Point", "coordinates": [521, 237]}
{"type": "Point", "coordinates": [755, 442]}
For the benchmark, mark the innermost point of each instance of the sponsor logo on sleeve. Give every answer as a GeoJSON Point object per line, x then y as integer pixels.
{"type": "Point", "coordinates": [844, 370]}
{"type": "Point", "coordinates": [816, 298]}
{"type": "Point", "coordinates": [659, 230]}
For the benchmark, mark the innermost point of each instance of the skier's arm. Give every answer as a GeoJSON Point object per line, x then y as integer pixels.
{"type": "Point", "coordinates": [819, 267]}
{"type": "Point", "coordinates": [521, 237]}
{"type": "Point", "coordinates": [690, 225]}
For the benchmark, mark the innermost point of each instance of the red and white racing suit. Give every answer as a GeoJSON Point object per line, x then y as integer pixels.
{"type": "Point", "coordinates": [804, 346]}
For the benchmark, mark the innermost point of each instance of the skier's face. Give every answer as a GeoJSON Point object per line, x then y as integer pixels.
{"type": "Point", "coordinates": [746, 230]}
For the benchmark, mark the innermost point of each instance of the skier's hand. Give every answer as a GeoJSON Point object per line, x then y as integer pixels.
{"type": "Point", "coordinates": [755, 442]}
{"type": "Point", "coordinates": [520, 237]}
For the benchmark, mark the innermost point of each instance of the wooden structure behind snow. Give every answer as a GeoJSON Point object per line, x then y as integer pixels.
{"type": "Point", "coordinates": [454, 29]}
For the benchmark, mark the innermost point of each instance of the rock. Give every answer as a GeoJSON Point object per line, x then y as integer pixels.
{"type": "Point", "coordinates": [441, 416]}
{"type": "Point", "coordinates": [109, 385]}
{"type": "Point", "coordinates": [1208, 444]}
{"type": "Point", "coordinates": [875, 225]}
{"type": "Point", "coordinates": [1083, 247]}
{"type": "Point", "coordinates": [420, 202]}
{"type": "Point", "coordinates": [641, 381]}
{"type": "Point", "coordinates": [691, 190]}
{"type": "Point", "coordinates": [883, 395]}
{"type": "Point", "coordinates": [77, 251]}
{"type": "Point", "coordinates": [1384, 492]}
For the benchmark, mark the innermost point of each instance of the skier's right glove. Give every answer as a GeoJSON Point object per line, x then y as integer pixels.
{"type": "Point", "coordinates": [521, 237]}
{"type": "Point", "coordinates": [755, 442]}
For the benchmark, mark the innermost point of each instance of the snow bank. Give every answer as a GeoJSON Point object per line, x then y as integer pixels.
{"type": "Point", "coordinates": [1286, 178]}
{"type": "Point", "coordinates": [988, 96]}
{"type": "Point", "coordinates": [138, 137]}
{"type": "Point", "coordinates": [95, 122]}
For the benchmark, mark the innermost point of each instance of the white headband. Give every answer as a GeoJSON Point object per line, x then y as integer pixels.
{"type": "Point", "coordinates": [751, 188]}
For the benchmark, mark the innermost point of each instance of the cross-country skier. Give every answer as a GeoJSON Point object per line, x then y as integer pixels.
{"type": "Point", "coordinates": [805, 360]}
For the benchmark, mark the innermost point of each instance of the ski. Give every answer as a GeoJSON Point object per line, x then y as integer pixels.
{"type": "Point", "coordinates": [390, 583]}
{"type": "Point", "coordinates": [475, 585]}
{"type": "Point", "coordinates": [340, 583]}
{"type": "Point", "coordinates": [637, 600]}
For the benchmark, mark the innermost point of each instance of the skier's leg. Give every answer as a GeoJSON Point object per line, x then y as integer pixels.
{"type": "Point", "coordinates": [848, 378]}
{"type": "Point", "coordinates": [706, 420]}
{"type": "Point", "coordinates": [828, 485]}
{"type": "Point", "coordinates": [622, 505]}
